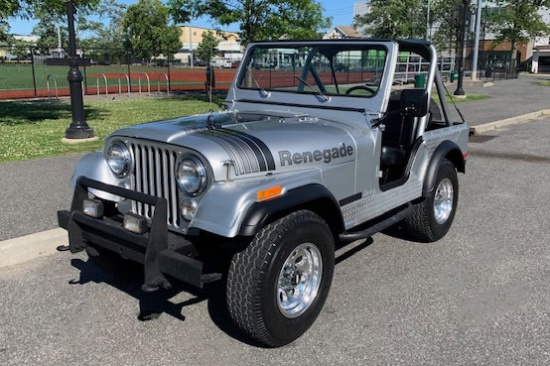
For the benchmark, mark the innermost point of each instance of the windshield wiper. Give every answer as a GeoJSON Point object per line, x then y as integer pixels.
{"type": "Point", "coordinates": [318, 93]}
{"type": "Point", "coordinates": [264, 93]}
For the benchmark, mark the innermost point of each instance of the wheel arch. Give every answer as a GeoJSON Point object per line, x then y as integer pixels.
{"type": "Point", "coordinates": [446, 150]}
{"type": "Point", "coordinates": [313, 197]}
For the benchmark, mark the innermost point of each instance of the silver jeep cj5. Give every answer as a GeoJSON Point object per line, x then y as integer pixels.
{"type": "Point", "coordinates": [318, 144]}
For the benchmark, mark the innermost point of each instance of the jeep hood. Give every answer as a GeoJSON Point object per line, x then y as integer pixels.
{"type": "Point", "coordinates": [254, 143]}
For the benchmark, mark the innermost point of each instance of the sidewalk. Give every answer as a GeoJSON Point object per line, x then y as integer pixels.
{"type": "Point", "coordinates": [32, 191]}
{"type": "Point", "coordinates": [507, 98]}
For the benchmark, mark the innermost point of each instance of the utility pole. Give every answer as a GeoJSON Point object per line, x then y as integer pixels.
{"type": "Point", "coordinates": [78, 129]}
{"type": "Point", "coordinates": [58, 37]}
{"type": "Point", "coordinates": [476, 41]}
{"type": "Point", "coordinates": [191, 41]}
{"type": "Point", "coordinates": [428, 28]}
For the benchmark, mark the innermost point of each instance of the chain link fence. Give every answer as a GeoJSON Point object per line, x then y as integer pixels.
{"type": "Point", "coordinates": [28, 73]}
{"type": "Point", "coordinates": [25, 73]}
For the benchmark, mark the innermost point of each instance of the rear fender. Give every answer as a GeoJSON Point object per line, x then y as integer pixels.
{"type": "Point", "coordinates": [446, 150]}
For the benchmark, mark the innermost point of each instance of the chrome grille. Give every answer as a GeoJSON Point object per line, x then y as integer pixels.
{"type": "Point", "coordinates": [153, 174]}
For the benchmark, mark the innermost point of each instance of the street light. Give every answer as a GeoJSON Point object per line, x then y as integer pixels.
{"type": "Point", "coordinates": [78, 129]}
{"type": "Point", "coordinates": [459, 90]}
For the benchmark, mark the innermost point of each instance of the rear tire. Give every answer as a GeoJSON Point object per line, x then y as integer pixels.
{"type": "Point", "coordinates": [278, 285]}
{"type": "Point", "coordinates": [432, 218]}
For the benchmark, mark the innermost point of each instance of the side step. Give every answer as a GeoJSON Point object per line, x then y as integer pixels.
{"type": "Point", "coordinates": [384, 224]}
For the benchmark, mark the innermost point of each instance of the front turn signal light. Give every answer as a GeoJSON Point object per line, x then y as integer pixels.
{"type": "Point", "coordinates": [269, 193]}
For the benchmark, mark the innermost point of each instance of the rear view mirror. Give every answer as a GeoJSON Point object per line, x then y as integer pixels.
{"type": "Point", "coordinates": [414, 102]}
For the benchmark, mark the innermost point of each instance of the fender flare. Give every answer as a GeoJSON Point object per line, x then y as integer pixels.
{"type": "Point", "coordinates": [313, 196]}
{"type": "Point", "coordinates": [446, 150]}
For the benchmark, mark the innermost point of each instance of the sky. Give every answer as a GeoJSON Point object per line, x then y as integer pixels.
{"type": "Point", "coordinates": [341, 12]}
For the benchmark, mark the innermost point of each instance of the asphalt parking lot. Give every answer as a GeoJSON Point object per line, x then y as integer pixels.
{"type": "Point", "coordinates": [480, 296]}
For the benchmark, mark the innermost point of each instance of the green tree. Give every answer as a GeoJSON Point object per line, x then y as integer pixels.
{"type": "Point", "coordinates": [30, 8]}
{"type": "Point", "coordinates": [105, 40]}
{"type": "Point", "coordinates": [447, 15]}
{"type": "Point", "coordinates": [4, 32]}
{"type": "Point", "coordinates": [27, 8]}
{"type": "Point", "coordinates": [258, 19]}
{"type": "Point", "coordinates": [21, 49]}
{"type": "Point", "coordinates": [208, 47]}
{"type": "Point", "coordinates": [46, 30]}
{"type": "Point", "coordinates": [13, 8]}
{"type": "Point", "coordinates": [395, 19]}
{"type": "Point", "coordinates": [147, 30]}
{"type": "Point", "coordinates": [517, 21]}
{"type": "Point", "coordinates": [170, 42]}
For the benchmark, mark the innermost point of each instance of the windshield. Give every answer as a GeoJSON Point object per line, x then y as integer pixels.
{"type": "Point", "coordinates": [323, 70]}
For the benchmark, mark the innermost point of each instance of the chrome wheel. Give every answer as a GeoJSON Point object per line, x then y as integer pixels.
{"type": "Point", "coordinates": [299, 280]}
{"type": "Point", "coordinates": [443, 200]}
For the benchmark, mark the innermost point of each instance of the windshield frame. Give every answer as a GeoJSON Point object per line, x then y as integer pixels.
{"type": "Point", "coordinates": [315, 68]}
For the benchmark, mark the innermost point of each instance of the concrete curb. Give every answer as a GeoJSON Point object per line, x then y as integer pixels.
{"type": "Point", "coordinates": [43, 244]}
{"type": "Point", "coordinates": [29, 247]}
{"type": "Point", "coordinates": [508, 121]}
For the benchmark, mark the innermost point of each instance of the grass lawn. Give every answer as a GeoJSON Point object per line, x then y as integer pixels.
{"type": "Point", "coordinates": [543, 83]}
{"type": "Point", "coordinates": [468, 98]}
{"type": "Point", "coordinates": [34, 129]}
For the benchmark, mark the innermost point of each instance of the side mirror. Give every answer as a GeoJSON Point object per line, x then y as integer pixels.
{"type": "Point", "coordinates": [414, 102]}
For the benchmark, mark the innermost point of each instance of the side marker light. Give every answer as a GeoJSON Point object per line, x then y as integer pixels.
{"type": "Point", "coordinates": [269, 193]}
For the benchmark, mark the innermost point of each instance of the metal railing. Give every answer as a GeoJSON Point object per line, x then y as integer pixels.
{"type": "Point", "coordinates": [106, 85]}
{"type": "Point", "coordinates": [52, 76]}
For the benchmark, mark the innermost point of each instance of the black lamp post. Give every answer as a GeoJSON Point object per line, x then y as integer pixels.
{"type": "Point", "coordinates": [459, 90]}
{"type": "Point", "coordinates": [78, 129]}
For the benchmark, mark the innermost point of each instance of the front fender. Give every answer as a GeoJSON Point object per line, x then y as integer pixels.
{"type": "Point", "coordinates": [232, 208]}
{"type": "Point", "coordinates": [94, 166]}
{"type": "Point", "coordinates": [261, 213]}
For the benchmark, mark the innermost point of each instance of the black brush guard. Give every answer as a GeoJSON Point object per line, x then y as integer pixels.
{"type": "Point", "coordinates": [153, 249]}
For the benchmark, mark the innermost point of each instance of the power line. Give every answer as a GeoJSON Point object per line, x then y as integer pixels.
{"type": "Point", "coordinates": [339, 11]}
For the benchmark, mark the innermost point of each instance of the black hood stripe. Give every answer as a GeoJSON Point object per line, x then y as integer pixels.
{"type": "Point", "coordinates": [250, 158]}
{"type": "Point", "coordinates": [249, 141]}
{"type": "Point", "coordinates": [245, 161]}
{"type": "Point", "coordinates": [263, 147]}
{"type": "Point", "coordinates": [250, 154]}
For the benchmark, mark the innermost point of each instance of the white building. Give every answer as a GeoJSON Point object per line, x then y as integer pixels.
{"type": "Point", "coordinates": [30, 38]}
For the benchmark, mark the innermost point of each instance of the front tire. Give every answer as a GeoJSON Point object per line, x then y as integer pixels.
{"type": "Point", "coordinates": [432, 218]}
{"type": "Point", "coordinates": [278, 285]}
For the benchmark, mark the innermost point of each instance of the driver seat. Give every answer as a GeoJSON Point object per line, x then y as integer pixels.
{"type": "Point", "coordinates": [398, 134]}
{"type": "Point", "coordinates": [397, 138]}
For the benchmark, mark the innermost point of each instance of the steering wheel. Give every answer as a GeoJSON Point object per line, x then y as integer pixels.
{"type": "Point", "coordinates": [360, 87]}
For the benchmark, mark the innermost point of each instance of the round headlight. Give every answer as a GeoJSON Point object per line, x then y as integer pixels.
{"type": "Point", "coordinates": [118, 158]}
{"type": "Point", "coordinates": [191, 175]}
